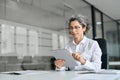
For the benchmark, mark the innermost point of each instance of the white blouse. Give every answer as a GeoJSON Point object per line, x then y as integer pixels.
{"type": "Point", "coordinates": [91, 52]}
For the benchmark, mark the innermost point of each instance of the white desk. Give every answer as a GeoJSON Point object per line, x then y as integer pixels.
{"type": "Point", "coordinates": [114, 63]}
{"type": "Point", "coordinates": [62, 75]}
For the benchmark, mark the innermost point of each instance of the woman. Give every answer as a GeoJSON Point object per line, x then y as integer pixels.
{"type": "Point", "coordinates": [86, 52]}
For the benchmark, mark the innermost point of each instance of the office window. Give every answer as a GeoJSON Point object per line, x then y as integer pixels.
{"type": "Point", "coordinates": [63, 40]}
{"type": "Point", "coordinates": [45, 43]}
{"type": "Point", "coordinates": [21, 40]}
{"type": "Point", "coordinates": [111, 36]}
{"type": "Point", "coordinates": [33, 43]}
{"type": "Point", "coordinates": [7, 39]}
{"type": "Point", "coordinates": [55, 41]}
{"type": "Point", "coordinates": [98, 24]}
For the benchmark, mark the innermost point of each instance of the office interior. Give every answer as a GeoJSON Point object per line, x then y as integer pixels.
{"type": "Point", "coordinates": [34, 28]}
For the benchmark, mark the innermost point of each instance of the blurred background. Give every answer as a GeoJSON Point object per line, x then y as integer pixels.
{"type": "Point", "coordinates": [36, 27]}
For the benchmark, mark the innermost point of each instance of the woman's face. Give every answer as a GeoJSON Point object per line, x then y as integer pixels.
{"type": "Point", "coordinates": [76, 29]}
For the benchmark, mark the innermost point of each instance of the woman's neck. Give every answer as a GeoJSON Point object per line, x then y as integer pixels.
{"type": "Point", "coordinates": [78, 40]}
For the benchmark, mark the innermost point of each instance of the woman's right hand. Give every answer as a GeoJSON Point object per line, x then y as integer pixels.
{"type": "Point", "coordinates": [59, 63]}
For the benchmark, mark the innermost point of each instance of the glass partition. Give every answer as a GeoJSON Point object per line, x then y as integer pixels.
{"type": "Point", "coordinates": [98, 24]}
{"type": "Point", "coordinates": [111, 36]}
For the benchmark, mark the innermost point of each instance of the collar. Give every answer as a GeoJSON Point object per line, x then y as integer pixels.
{"type": "Point", "coordinates": [82, 42]}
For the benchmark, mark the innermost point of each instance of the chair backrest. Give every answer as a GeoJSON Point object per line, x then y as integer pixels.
{"type": "Point", "coordinates": [104, 57]}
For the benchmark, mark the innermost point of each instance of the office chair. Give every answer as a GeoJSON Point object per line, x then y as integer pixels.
{"type": "Point", "coordinates": [104, 57]}
{"type": "Point", "coordinates": [52, 63]}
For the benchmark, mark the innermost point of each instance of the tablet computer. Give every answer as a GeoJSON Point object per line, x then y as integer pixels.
{"type": "Point", "coordinates": [66, 55]}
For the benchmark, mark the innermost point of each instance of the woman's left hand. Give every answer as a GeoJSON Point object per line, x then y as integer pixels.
{"type": "Point", "coordinates": [77, 56]}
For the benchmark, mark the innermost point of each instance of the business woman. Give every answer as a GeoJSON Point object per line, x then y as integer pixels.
{"type": "Point", "coordinates": [86, 52]}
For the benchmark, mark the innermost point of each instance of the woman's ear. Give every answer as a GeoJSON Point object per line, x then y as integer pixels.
{"type": "Point", "coordinates": [84, 28]}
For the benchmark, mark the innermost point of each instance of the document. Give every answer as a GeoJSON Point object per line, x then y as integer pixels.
{"type": "Point", "coordinates": [96, 77]}
{"type": "Point", "coordinates": [64, 54]}
{"type": "Point", "coordinates": [108, 71]}
{"type": "Point", "coordinates": [108, 74]}
{"type": "Point", "coordinates": [102, 71]}
{"type": "Point", "coordinates": [26, 72]}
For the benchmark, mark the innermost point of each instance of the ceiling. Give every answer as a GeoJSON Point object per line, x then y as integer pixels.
{"type": "Point", "coordinates": [53, 14]}
{"type": "Point", "coordinates": [50, 14]}
{"type": "Point", "coordinates": [109, 7]}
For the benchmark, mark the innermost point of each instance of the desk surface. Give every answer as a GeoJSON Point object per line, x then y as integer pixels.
{"type": "Point", "coordinates": [114, 63]}
{"type": "Point", "coordinates": [58, 75]}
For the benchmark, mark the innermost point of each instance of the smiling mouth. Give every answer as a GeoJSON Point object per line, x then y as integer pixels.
{"type": "Point", "coordinates": [74, 34]}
